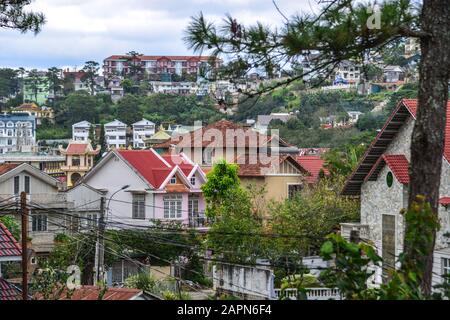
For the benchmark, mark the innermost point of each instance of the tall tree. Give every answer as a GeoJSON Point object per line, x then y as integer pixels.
{"type": "Point", "coordinates": [35, 82]}
{"type": "Point", "coordinates": [14, 16]}
{"type": "Point", "coordinates": [135, 67]}
{"type": "Point", "coordinates": [90, 74]}
{"type": "Point", "coordinates": [54, 79]}
{"type": "Point", "coordinates": [128, 109]}
{"type": "Point", "coordinates": [349, 29]}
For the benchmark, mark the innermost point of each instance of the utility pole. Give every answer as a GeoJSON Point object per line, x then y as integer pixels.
{"type": "Point", "coordinates": [24, 213]}
{"type": "Point", "coordinates": [100, 245]}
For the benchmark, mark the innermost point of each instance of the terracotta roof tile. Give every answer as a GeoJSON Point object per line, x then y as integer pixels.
{"type": "Point", "coordinates": [312, 164]}
{"type": "Point", "coordinates": [9, 247]}
{"type": "Point", "coordinates": [8, 291]}
{"type": "Point", "coordinates": [92, 293]}
{"type": "Point", "coordinates": [404, 109]}
{"type": "Point", "coordinates": [445, 201]}
{"type": "Point", "coordinates": [397, 163]}
{"type": "Point", "coordinates": [4, 168]}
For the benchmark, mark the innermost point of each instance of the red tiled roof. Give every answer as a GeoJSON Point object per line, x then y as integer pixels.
{"type": "Point", "coordinates": [206, 137]}
{"type": "Point", "coordinates": [399, 166]}
{"type": "Point", "coordinates": [445, 201]}
{"type": "Point", "coordinates": [8, 291]}
{"type": "Point", "coordinates": [412, 105]}
{"type": "Point", "coordinates": [312, 164]}
{"type": "Point", "coordinates": [176, 159]}
{"type": "Point", "coordinates": [397, 163]}
{"type": "Point", "coordinates": [9, 247]}
{"type": "Point", "coordinates": [79, 148]}
{"type": "Point", "coordinates": [406, 108]}
{"type": "Point", "coordinates": [4, 168]}
{"type": "Point", "coordinates": [148, 164]}
{"type": "Point", "coordinates": [247, 167]}
{"type": "Point", "coordinates": [92, 293]}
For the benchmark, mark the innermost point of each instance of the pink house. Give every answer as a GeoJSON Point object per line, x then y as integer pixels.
{"type": "Point", "coordinates": [141, 186]}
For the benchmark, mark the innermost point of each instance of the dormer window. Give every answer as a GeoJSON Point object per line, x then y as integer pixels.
{"type": "Point", "coordinates": [10, 124]}
{"type": "Point", "coordinates": [173, 180]}
{"type": "Point", "coordinates": [193, 180]}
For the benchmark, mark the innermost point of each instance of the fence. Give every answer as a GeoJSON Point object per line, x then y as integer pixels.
{"type": "Point", "coordinates": [311, 294]}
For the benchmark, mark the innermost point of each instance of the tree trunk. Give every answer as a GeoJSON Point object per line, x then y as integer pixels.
{"type": "Point", "coordinates": [428, 135]}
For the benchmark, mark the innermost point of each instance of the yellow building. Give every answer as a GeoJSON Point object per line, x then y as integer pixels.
{"type": "Point", "coordinates": [34, 110]}
{"type": "Point", "coordinates": [79, 160]}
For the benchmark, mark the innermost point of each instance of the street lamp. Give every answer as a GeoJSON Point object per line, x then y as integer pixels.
{"type": "Point", "coordinates": [109, 200]}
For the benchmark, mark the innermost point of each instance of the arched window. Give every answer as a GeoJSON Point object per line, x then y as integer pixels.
{"type": "Point", "coordinates": [2, 124]}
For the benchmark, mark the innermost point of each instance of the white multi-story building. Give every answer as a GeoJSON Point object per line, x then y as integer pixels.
{"type": "Point", "coordinates": [142, 130]}
{"type": "Point", "coordinates": [116, 134]}
{"type": "Point", "coordinates": [347, 72]}
{"type": "Point", "coordinates": [17, 132]}
{"type": "Point", "coordinates": [80, 131]}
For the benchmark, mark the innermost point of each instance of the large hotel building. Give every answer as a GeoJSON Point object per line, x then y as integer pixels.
{"type": "Point", "coordinates": [119, 64]}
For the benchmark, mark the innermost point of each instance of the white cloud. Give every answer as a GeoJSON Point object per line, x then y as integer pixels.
{"type": "Point", "coordinates": [81, 30]}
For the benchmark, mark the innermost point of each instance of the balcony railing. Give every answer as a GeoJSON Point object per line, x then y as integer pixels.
{"type": "Point", "coordinates": [311, 294]}
{"type": "Point", "coordinates": [199, 222]}
{"type": "Point", "coordinates": [350, 230]}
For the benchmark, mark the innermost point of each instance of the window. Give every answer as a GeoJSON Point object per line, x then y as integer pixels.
{"type": "Point", "coordinates": [293, 189]}
{"type": "Point", "coordinates": [9, 142]}
{"type": "Point", "coordinates": [92, 220]}
{"type": "Point", "coordinates": [75, 160]}
{"type": "Point", "coordinates": [389, 179]}
{"type": "Point", "coordinates": [39, 222]}
{"type": "Point", "coordinates": [172, 206]}
{"type": "Point", "coordinates": [193, 180]}
{"type": "Point", "coordinates": [16, 185]}
{"type": "Point", "coordinates": [138, 206]}
{"type": "Point", "coordinates": [10, 133]}
{"type": "Point", "coordinates": [27, 184]}
{"type": "Point", "coordinates": [445, 262]}
{"type": "Point", "coordinates": [193, 206]}
{"type": "Point", "coordinates": [207, 156]}
{"type": "Point", "coordinates": [173, 180]}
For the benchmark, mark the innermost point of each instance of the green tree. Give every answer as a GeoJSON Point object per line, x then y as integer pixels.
{"type": "Point", "coordinates": [12, 225]}
{"type": "Point", "coordinates": [135, 67]}
{"type": "Point", "coordinates": [14, 16]}
{"type": "Point", "coordinates": [36, 83]}
{"type": "Point", "coordinates": [128, 109]}
{"type": "Point", "coordinates": [343, 30]}
{"type": "Point", "coordinates": [235, 220]}
{"type": "Point", "coordinates": [54, 79]}
{"type": "Point", "coordinates": [91, 136]}
{"type": "Point", "coordinates": [127, 85]}
{"type": "Point", "coordinates": [90, 74]}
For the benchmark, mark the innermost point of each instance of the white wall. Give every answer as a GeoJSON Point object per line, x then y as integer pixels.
{"type": "Point", "coordinates": [112, 176]}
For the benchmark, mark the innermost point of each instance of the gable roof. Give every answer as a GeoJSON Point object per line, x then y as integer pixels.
{"type": "Point", "coordinates": [115, 123]}
{"type": "Point", "coordinates": [82, 124]}
{"type": "Point", "coordinates": [143, 122]}
{"type": "Point", "coordinates": [397, 163]}
{"type": "Point", "coordinates": [9, 247]}
{"type": "Point", "coordinates": [205, 137]}
{"type": "Point", "coordinates": [405, 108]}
{"type": "Point", "coordinates": [9, 170]}
{"type": "Point", "coordinates": [258, 169]}
{"type": "Point", "coordinates": [78, 147]}
{"type": "Point", "coordinates": [312, 164]}
{"type": "Point", "coordinates": [8, 291]}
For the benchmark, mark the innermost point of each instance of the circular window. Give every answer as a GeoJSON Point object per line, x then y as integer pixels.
{"type": "Point", "coordinates": [389, 179]}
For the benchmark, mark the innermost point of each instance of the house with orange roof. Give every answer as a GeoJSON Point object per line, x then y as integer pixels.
{"type": "Point", "coordinates": [33, 109]}
{"type": "Point", "coordinates": [381, 181]}
{"type": "Point", "coordinates": [226, 140]}
{"type": "Point", "coordinates": [142, 186]}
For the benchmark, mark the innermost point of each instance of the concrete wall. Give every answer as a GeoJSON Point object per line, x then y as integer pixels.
{"type": "Point", "coordinates": [244, 281]}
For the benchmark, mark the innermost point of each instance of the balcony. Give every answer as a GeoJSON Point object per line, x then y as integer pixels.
{"type": "Point", "coordinates": [200, 222]}
{"type": "Point", "coordinates": [75, 168]}
{"type": "Point", "coordinates": [355, 229]}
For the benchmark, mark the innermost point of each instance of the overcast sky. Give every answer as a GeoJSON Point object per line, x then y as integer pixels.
{"type": "Point", "coordinates": [81, 30]}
